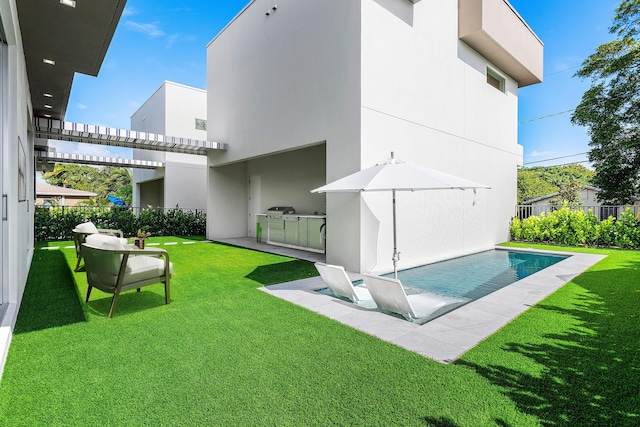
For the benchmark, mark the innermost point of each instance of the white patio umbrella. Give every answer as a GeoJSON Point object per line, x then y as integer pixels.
{"type": "Point", "coordinates": [395, 175]}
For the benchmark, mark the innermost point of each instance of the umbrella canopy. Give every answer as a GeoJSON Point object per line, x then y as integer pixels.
{"type": "Point", "coordinates": [395, 175]}
{"type": "Point", "coordinates": [116, 200]}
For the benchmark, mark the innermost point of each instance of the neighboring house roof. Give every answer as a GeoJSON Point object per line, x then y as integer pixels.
{"type": "Point", "coordinates": [52, 190]}
{"type": "Point", "coordinates": [552, 195]}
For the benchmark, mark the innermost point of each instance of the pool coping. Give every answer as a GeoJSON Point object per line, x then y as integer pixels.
{"type": "Point", "coordinates": [449, 336]}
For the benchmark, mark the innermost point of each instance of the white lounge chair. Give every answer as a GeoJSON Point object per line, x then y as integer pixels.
{"type": "Point", "coordinates": [85, 229]}
{"type": "Point", "coordinates": [389, 295]}
{"type": "Point", "coordinates": [336, 278]}
{"type": "Point", "coordinates": [113, 269]}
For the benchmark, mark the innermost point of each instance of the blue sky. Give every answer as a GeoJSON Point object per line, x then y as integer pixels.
{"type": "Point", "coordinates": [158, 40]}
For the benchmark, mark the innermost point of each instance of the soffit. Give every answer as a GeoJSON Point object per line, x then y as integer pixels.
{"type": "Point", "coordinates": [77, 40]}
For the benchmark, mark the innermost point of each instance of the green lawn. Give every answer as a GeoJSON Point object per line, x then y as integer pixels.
{"type": "Point", "coordinates": [224, 353]}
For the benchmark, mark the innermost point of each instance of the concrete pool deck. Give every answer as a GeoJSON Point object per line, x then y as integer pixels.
{"type": "Point", "coordinates": [447, 337]}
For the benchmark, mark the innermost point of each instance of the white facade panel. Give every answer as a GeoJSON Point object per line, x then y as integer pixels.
{"type": "Point", "coordinates": [425, 97]}
{"type": "Point", "coordinates": [172, 110]}
{"type": "Point", "coordinates": [17, 228]}
{"type": "Point", "coordinates": [279, 83]}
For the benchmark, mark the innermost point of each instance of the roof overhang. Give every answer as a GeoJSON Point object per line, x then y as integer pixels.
{"type": "Point", "coordinates": [75, 38]}
{"type": "Point", "coordinates": [78, 132]}
{"type": "Point", "coordinates": [46, 161]}
{"type": "Point", "coordinates": [494, 29]}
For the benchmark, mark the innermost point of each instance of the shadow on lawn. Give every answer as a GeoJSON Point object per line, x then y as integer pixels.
{"type": "Point", "coordinates": [591, 373]}
{"type": "Point", "coordinates": [50, 297]}
{"type": "Point", "coordinates": [282, 272]}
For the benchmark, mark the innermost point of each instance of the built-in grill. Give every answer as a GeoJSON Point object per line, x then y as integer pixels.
{"type": "Point", "coordinates": [284, 227]}
{"type": "Point", "coordinates": [276, 222]}
{"type": "Point", "coordinates": [278, 211]}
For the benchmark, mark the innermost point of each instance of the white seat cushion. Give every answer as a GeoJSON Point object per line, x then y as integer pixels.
{"type": "Point", "coordinates": [142, 267]}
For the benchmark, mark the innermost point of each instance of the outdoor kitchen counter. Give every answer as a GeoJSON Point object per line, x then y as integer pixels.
{"type": "Point", "coordinates": [299, 231]}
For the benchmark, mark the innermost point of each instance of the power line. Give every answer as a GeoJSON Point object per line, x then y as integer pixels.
{"type": "Point", "coordinates": [547, 116]}
{"type": "Point", "coordinates": [557, 158]}
{"type": "Point", "coordinates": [561, 71]}
{"type": "Point", "coordinates": [570, 163]}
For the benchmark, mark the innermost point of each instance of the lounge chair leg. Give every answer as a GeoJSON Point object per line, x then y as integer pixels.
{"type": "Point", "coordinates": [88, 293]}
{"type": "Point", "coordinates": [78, 264]}
{"type": "Point", "coordinates": [138, 289]}
{"type": "Point", "coordinates": [113, 303]}
{"type": "Point", "coordinates": [166, 292]}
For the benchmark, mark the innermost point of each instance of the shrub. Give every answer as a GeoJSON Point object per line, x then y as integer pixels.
{"type": "Point", "coordinates": [574, 227]}
{"type": "Point", "coordinates": [57, 223]}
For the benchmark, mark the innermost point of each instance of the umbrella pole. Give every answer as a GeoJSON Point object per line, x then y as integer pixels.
{"type": "Point", "coordinates": [396, 254]}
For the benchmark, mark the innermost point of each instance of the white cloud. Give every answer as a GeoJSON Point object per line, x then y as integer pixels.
{"type": "Point", "coordinates": [81, 106]}
{"type": "Point", "coordinates": [90, 149]}
{"type": "Point", "coordinates": [149, 29]}
{"type": "Point", "coordinates": [536, 153]}
{"type": "Point", "coordinates": [129, 11]}
{"type": "Point", "coordinates": [172, 39]}
{"type": "Point", "coordinates": [133, 104]}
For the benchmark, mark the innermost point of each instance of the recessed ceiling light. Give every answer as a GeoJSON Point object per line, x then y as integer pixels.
{"type": "Point", "coordinates": [70, 3]}
{"type": "Point", "coordinates": [47, 116]}
{"type": "Point", "coordinates": [49, 61]}
{"type": "Point", "coordinates": [48, 106]}
{"type": "Point", "coordinates": [48, 95]}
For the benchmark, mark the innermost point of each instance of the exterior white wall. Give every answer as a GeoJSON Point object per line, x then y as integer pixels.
{"type": "Point", "coordinates": [17, 229]}
{"type": "Point", "coordinates": [425, 97]}
{"type": "Point", "coordinates": [368, 77]}
{"type": "Point", "coordinates": [172, 110]}
{"type": "Point", "coordinates": [279, 83]}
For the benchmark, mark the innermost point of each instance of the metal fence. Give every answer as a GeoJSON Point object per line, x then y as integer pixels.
{"type": "Point", "coordinates": [136, 210]}
{"type": "Point", "coordinates": [601, 212]}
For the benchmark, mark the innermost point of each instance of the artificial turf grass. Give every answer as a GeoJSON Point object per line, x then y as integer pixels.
{"type": "Point", "coordinates": [225, 353]}
{"type": "Point", "coordinates": [581, 347]}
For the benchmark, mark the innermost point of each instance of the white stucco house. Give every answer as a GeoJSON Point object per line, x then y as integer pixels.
{"type": "Point", "coordinates": [181, 111]}
{"type": "Point", "coordinates": [588, 200]}
{"type": "Point", "coordinates": [42, 45]}
{"type": "Point", "coordinates": [306, 92]}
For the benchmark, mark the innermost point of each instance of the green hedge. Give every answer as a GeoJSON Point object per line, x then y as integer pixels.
{"type": "Point", "coordinates": [57, 223]}
{"type": "Point", "coordinates": [577, 228]}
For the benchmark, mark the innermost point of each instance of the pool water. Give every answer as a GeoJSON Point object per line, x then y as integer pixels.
{"type": "Point", "coordinates": [465, 279]}
{"type": "Point", "coordinates": [477, 275]}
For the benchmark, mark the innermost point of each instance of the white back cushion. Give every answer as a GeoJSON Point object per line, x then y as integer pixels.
{"type": "Point", "coordinates": [103, 241]}
{"type": "Point", "coordinates": [86, 227]}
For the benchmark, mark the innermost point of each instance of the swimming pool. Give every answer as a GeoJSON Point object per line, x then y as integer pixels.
{"type": "Point", "coordinates": [477, 275]}
{"type": "Point", "coordinates": [459, 281]}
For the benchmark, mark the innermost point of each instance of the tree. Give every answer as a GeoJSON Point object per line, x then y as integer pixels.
{"type": "Point", "coordinates": [531, 185]}
{"type": "Point", "coordinates": [570, 194]}
{"type": "Point", "coordinates": [542, 180]}
{"type": "Point", "coordinates": [610, 109]}
{"type": "Point", "coordinates": [103, 181]}
{"type": "Point", "coordinates": [78, 177]}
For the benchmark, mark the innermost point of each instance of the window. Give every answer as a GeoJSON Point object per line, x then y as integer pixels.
{"type": "Point", "coordinates": [607, 211]}
{"type": "Point", "coordinates": [495, 80]}
{"type": "Point", "coordinates": [22, 173]}
{"type": "Point", "coordinates": [201, 124]}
